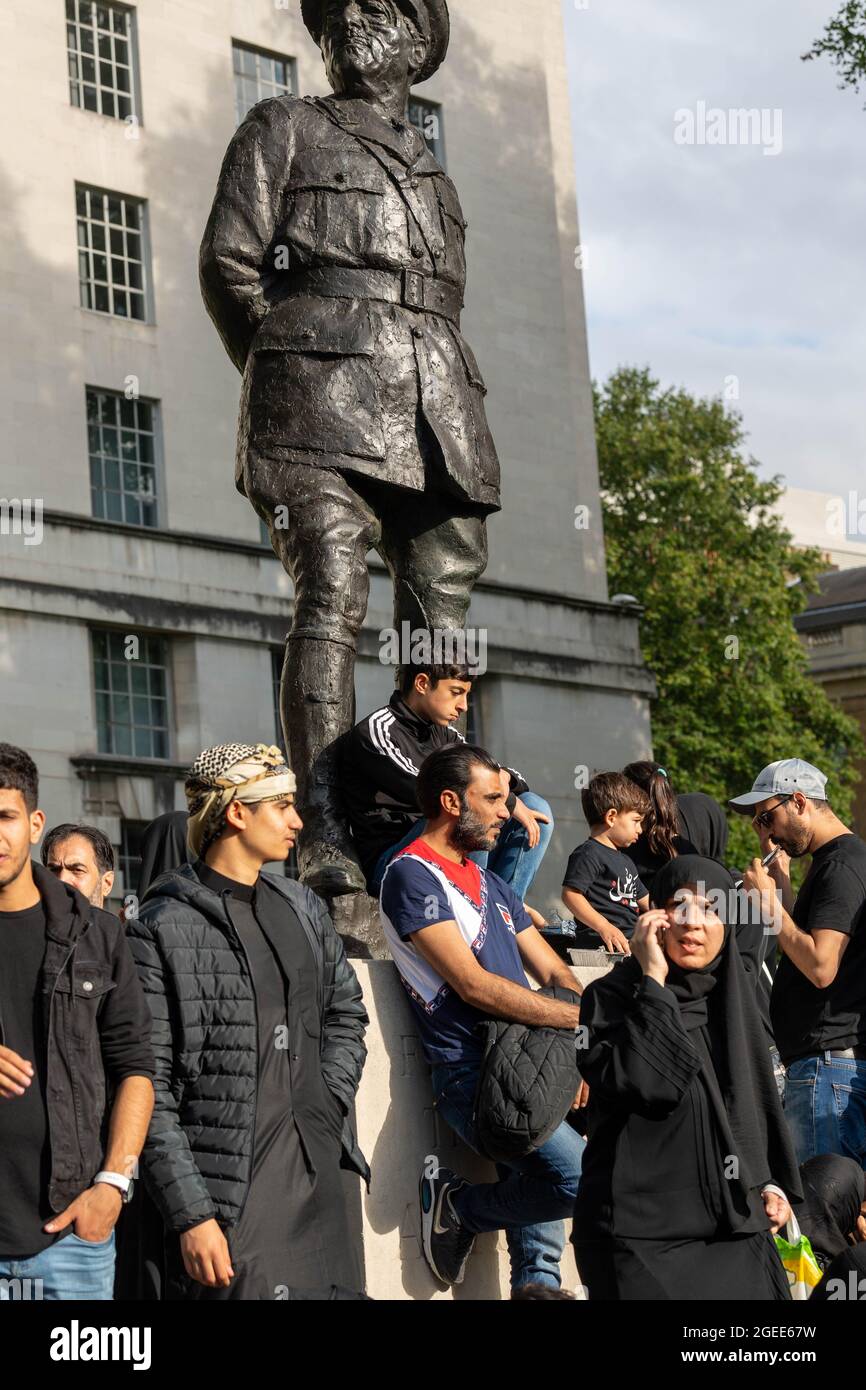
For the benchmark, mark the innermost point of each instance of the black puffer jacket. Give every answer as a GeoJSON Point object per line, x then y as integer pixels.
{"type": "Point", "coordinates": [527, 1084]}
{"type": "Point", "coordinates": [197, 1157]}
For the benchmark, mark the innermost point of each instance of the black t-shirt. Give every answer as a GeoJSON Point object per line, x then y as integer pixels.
{"type": "Point", "coordinates": [807, 1020]}
{"type": "Point", "coordinates": [25, 1155]}
{"type": "Point", "coordinates": [608, 881]}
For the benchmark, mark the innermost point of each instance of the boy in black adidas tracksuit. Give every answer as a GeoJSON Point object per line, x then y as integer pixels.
{"type": "Point", "coordinates": [379, 761]}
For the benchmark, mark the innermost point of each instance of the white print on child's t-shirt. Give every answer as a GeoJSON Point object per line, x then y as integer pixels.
{"type": "Point", "coordinates": [624, 892]}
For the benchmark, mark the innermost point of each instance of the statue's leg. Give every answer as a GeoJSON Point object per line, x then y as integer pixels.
{"type": "Point", "coordinates": [435, 553]}
{"type": "Point", "coordinates": [323, 545]}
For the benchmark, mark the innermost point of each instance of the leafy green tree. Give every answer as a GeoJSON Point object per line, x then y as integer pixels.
{"type": "Point", "coordinates": [691, 531]}
{"type": "Point", "coordinates": [844, 43]}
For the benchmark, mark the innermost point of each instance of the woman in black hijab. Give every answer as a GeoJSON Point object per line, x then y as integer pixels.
{"type": "Point", "coordinates": [689, 1162]}
{"type": "Point", "coordinates": [139, 1264]}
{"type": "Point", "coordinates": [833, 1216]}
{"type": "Point", "coordinates": [163, 848]}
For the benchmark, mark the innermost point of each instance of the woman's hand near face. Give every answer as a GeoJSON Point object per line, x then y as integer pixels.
{"type": "Point", "coordinates": [646, 945]}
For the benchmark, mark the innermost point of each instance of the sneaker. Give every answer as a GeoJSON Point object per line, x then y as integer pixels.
{"type": "Point", "coordinates": [447, 1246]}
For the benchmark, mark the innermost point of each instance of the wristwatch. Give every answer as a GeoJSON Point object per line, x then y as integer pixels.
{"type": "Point", "coordinates": [124, 1185]}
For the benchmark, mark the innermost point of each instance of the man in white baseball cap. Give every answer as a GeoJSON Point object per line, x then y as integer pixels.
{"type": "Point", "coordinates": [818, 1004]}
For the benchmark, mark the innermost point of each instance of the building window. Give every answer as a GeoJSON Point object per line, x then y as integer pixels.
{"type": "Point", "coordinates": [130, 678]}
{"type": "Point", "coordinates": [426, 117]}
{"type": "Point", "coordinates": [259, 74]}
{"type": "Point", "coordinates": [129, 859]}
{"type": "Point", "coordinates": [111, 253]}
{"type": "Point", "coordinates": [292, 869]}
{"type": "Point", "coordinates": [824, 637]}
{"type": "Point", "coordinates": [121, 443]}
{"type": "Point", "coordinates": [276, 677]}
{"type": "Point", "coordinates": [100, 40]}
{"type": "Point", "coordinates": [473, 721]}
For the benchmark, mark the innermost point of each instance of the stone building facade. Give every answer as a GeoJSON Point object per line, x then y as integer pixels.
{"type": "Point", "coordinates": [141, 615]}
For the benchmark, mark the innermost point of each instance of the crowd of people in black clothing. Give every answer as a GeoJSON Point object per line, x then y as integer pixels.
{"type": "Point", "coordinates": [713, 1126]}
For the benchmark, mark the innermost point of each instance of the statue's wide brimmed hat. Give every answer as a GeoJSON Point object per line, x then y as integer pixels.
{"type": "Point", "coordinates": [432, 19]}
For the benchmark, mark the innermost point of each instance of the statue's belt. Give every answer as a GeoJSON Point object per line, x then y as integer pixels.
{"type": "Point", "coordinates": [410, 288]}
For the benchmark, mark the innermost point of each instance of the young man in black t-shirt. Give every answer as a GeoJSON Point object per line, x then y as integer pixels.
{"type": "Point", "coordinates": [73, 1022]}
{"type": "Point", "coordinates": [601, 888]}
{"type": "Point", "coordinates": [818, 1005]}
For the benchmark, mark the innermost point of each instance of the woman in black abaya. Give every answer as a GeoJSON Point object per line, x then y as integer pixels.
{"type": "Point", "coordinates": [689, 1165]}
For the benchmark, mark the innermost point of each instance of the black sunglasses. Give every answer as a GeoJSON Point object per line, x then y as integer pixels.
{"type": "Point", "coordinates": [765, 819]}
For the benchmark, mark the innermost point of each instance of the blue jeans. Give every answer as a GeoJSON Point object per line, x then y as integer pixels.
{"type": "Point", "coordinates": [69, 1269]}
{"type": "Point", "coordinates": [534, 1194]}
{"type": "Point", "coordinates": [825, 1106]}
{"type": "Point", "coordinates": [511, 859]}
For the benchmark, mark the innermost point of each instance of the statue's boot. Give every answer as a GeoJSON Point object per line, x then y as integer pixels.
{"type": "Point", "coordinates": [326, 854]}
{"type": "Point", "coordinates": [317, 697]}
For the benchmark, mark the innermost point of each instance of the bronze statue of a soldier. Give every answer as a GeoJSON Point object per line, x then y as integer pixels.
{"type": "Point", "coordinates": [333, 267]}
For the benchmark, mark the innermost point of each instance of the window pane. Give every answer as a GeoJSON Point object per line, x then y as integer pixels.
{"type": "Point", "coordinates": [143, 743]}
{"type": "Point", "coordinates": [258, 75]}
{"type": "Point", "coordinates": [100, 298]}
{"type": "Point", "coordinates": [90, 100]}
{"type": "Point", "coordinates": [129, 483]}
{"type": "Point", "coordinates": [121, 738]}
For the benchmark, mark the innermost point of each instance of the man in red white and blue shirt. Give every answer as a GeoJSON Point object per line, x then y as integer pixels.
{"type": "Point", "coordinates": [462, 942]}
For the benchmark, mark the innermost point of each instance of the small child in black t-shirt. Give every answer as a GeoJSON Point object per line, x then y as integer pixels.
{"type": "Point", "coordinates": [601, 889]}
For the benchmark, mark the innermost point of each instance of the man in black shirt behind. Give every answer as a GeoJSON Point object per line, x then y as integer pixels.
{"type": "Point", "coordinates": [73, 1019]}
{"type": "Point", "coordinates": [258, 1027]}
{"type": "Point", "coordinates": [818, 1004]}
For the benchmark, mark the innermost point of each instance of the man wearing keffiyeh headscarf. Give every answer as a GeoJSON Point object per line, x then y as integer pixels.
{"type": "Point", "coordinates": [240, 772]}
{"type": "Point", "coordinates": [258, 1026]}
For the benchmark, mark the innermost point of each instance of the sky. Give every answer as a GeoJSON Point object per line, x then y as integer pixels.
{"type": "Point", "coordinates": [727, 270]}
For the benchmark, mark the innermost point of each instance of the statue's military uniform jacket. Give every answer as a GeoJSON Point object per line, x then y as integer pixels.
{"type": "Point", "coordinates": [333, 267]}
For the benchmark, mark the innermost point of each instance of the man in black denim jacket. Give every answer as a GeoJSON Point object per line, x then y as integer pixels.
{"type": "Point", "coordinates": [76, 1092]}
